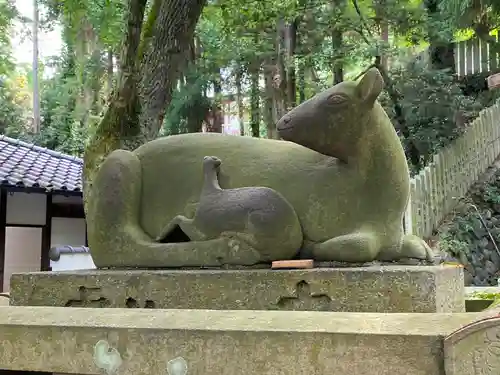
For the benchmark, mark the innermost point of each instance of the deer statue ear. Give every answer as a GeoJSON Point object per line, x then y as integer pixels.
{"type": "Point", "coordinates": [370, 86]}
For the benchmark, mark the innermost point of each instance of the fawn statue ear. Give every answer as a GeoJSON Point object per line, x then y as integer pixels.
{"type": "Point", "coordinates": [370, 86]}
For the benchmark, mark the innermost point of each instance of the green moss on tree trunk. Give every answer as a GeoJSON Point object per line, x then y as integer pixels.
{"type": "Point", "coordinates": [136, 110]}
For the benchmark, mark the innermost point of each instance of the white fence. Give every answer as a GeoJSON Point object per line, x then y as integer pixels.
{"type": "Point", "coordinates": [475, 56]}
{"type": "Point", "coordinates": [436, 189]}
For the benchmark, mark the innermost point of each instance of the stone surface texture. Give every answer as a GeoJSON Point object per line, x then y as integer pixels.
{"type": "Point", "coordinates": [201, 342]}
{"type": "Point", "coordinates": [474, 349]}
{"type": "Point", "coordinates": [365, 289]}
{"type": "Point", "coordinates": [341, 167]}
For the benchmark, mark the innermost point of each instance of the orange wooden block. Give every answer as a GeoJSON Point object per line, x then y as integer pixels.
{"type": "Point", "coordinates": [299, 264]}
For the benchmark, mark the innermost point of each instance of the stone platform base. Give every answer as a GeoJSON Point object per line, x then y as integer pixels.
{"type": "Point", "coordinates": [201, 342]}
{"type": "Point", "coordinates": [365, 289]}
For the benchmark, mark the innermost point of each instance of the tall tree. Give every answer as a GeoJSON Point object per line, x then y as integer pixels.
{"type": "Point", "coordinates": [8, 13]}
{"type": "Point", "coordinates": [441, 48]}
{"type": "Point", "coordinates": [153, 51]}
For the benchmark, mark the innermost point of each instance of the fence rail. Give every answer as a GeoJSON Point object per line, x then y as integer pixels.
{"type": "Point", "coordinates": [435, 190]}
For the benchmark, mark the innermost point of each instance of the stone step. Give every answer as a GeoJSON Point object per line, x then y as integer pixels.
{"type": "Point", "coordinates": [361, 289]}
{"type": "Point", "coordinates": [199, 342]}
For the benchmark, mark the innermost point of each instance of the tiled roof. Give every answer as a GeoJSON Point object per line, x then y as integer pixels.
{"type": "Point", "coordinates": [26, 165]}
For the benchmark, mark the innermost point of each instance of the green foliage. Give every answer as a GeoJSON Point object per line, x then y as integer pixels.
{"type": "Point", "coordinates": [234, 34]}
{"type": "Point", "coordinates": [469, 13]}
{"type": "Point", "coordinates": [8, 13]}
{"type": "Point", "coordinates": [59, 129]}
{"type": "Point", "coordinates": [104, 16]}
{"type": "Point", "coordinates": [489, 296]}
{"type": "Point", "coordinates": [434, 107]}
{"type": "Point", "coordinates": [491, 194]}
{"type": "Point", "coordinates": [486, 295]}
{"type": "Point", "coordinates": [13, 121]}
{"type": "Point", "coordinates": [11, 114]}
{"type": "Point", "coordinates": [456, 238]}
{"type": "Point", "coordinates": [189, 107]}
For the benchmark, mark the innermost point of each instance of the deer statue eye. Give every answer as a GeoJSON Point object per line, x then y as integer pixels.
{"type": "Point", "coordinates": [337, 99]}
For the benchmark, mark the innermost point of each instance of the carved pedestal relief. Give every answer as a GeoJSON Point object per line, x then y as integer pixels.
{"type": "Point", "coordinates": [305, 300]}
{"type": "Point", "coordinates": [89, 297]}
{"type": "Point", "coordinates": [474, 349]}
{"type": "Point", "coordinates": [94, 297]}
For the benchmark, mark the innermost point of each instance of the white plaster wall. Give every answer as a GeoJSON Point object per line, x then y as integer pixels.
{"type": "Point", "coordinates": [24, 208]}
{"type": "Point", "coordinates": [78, 261]}
{"type": "Point", "coordinates": [23, 251]}
{"type": "Point", "coordinates": [66, 231]}
{"type": "Point", "coordinates": [23, 245]}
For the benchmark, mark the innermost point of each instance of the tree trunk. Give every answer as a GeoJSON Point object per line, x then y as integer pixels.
{"type": "Point", "coordinates": [291, 43]}
{"type": "Point", "coordinates": [149, 70]}
{"type": "Point", "coordinates": [255, 100]}
{"type": "Point", "coordinates": [338, 7]}
{"type": "Point", "coordinates": [93, 101]}
{"type": "Point", "coordinates": [239, 99]}
{"type": "Point", "coordinates": [304, 50]}
{"type": "Point", "coordinates": [337, 46]}
{"type": "Point", "coordinates": [217, 113]}
{"type": "Point", "coordinates": [280, 74]}
{"type": "Point", "coordinates": [381, 21]}
{"type": "Point", "coordinates": [173, 31]}
{"type": "Point", "coordinates": [384, 36]}
{"type": "Point", "coordinates": [109, 72]}
{"type": "Point", "coordinates": [302, 82]}
{"type": "Point", "coordinates": [301, 64]}
{"type": "Point", "coordinates": [338, 69]}
{"type": "Point", "coordinates": [270, 112]}
{"type": "Point", "coordinates": [87, 56]}
{"type": "Point", "coordinates": [441, 51]}
{"type": "Point", "coordinates": [196, 117]}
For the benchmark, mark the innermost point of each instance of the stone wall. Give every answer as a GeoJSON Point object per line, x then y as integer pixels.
{"type": "Point", "coordinates": [465, 239]}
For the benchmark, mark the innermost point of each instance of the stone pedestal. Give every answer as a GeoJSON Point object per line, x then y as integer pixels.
{"type": "Point", "coordinates": [199, 342]}
{"type": "Point", "coordinates": [365, 289]}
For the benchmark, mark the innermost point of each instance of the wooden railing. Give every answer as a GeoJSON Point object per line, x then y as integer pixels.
{"type": "Point", "coordinates": [437, 188]}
